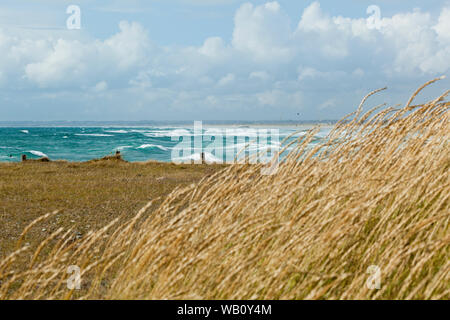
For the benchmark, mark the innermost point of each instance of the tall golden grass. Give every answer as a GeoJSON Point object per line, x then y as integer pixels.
{"type": "Point", "coordinates": [375, 192]}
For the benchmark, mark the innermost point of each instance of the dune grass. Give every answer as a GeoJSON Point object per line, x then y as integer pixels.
{"type": "Point", "coordinates": [374, 193]}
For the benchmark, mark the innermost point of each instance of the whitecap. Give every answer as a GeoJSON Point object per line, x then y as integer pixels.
{"type": "Point", "coordinates": [253, 146]}
{"type": "Point", "coordinates": [237, 132]}
{"type": "Point", "coordinates": [157, 134]}
{"type": "Point", "coordinates": [209, 158]}
{"type": "Point", "coordinates": [25, 131]}
{"type": "Point", "coordinates": [146, 146]}
{"type": "Point", "coordinates": [94, 135]}
{"type": "Point", "coordinates": [38, 153]}
{"type": "Point", "coordinates": [116, 131]}
{"type": "Point", "coordinates": [123, 148]}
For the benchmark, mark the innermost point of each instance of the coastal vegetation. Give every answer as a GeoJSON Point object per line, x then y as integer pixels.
{"type": "Point", "coordinates": [373, 195]}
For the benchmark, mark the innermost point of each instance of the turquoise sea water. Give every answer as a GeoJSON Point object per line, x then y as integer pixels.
{"type": "Point", "coordinates": [135, 143]}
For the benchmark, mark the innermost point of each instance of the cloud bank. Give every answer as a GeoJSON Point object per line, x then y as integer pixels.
{"type": "Point", "coordinates": [272, 66]}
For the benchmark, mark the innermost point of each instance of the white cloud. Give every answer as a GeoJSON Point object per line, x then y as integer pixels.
{"type": "Point", "coordinates": [130, 47]}
{"type": "Point", "coordinates": [330, 103]}
{"type": "Point", "coordinates": [313, 19]}
{"type": "Point", "coordinates": [259, 75]}
{"type": "Point", "coordinates": [75, 62]}
{"type": "Point", "coordinates": [308, 73]}
{"type": "Point", "coordinates": [101, 86]}
{"type": "Point", "coordinates": [262, 31]}
{"type": "Point", "coordinates": [280, 98]}
{"type": "Point", "coordinates": [411, 38]}
{"type": "Point", "coordinates": [358, 72]}
{"type": "Point", "coordinates": [323, 33]}
{"type": "Point", "coordinates": [267, 63]}
{"type": "Point", "coordinates": [443, 26]}
{"type": "Point", "coordinates": [227, 80]}
{"type": "Point", "coordinates": [213, 47]}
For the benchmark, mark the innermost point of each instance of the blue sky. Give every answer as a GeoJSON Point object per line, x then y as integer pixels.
{"type": "Point", "coordinates": [216, 59]}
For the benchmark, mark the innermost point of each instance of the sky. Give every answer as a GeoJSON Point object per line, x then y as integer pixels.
{"type": "Point", "coordinates": [217, 59]}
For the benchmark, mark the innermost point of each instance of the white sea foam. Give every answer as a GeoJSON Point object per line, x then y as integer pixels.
{"type": "Point", "coordinates": [123, 148]}
{"type": "Point", "coordinates": [146, 146]}
{"type": "Point", "coordinates": [116, 131]}
{"type": "Point", "coordinates": [38, 153]}
{"type": "Point", "coordinates": [209, 158]}
{"type": "Point", "coordinates": [94, 135]}
{"type": "Point", "coordinates": [25, 131]}
{"type": "Point", "coordinates": [275, 146]}
{"type": "Point", "coordinates": [239, 132]}
{"type": "Point", "coordinates": [157, 134]}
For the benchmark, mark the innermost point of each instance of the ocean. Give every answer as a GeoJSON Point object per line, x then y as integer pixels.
{"type": "Point", "coordinates": [144, 143]}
